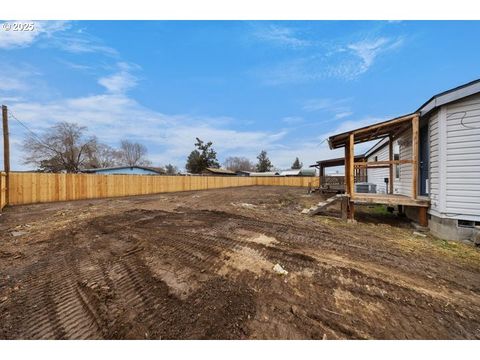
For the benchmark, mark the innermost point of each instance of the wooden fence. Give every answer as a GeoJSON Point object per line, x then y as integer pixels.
{"type": "Point", "coordinates": [28, 188]}
{"type": "Point", "coordinates": [3, 190]}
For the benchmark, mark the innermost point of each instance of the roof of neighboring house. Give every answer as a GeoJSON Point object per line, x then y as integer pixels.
{"type": "Point", "coordinates": [335, 161]}
{"type": "Point", "coordinates": [221, 171]}
{"type": "Point", "coordinates": [267, 173]}
{"type": "Point", "coordinates": [297, 172]}
{"type": "Point", "coordinates": [157, 170]}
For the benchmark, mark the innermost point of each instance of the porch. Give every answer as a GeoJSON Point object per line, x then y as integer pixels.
{"type": "Point", "coordinates": [391, 129]}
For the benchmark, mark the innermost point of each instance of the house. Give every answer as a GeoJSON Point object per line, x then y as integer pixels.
{"type": "Point", "coordinates": [266, 173]}
{"type": "Point", "coordinates": [298, 172]}
{"type": "Point", "coordinates": [126, 170]}
{"type": "Point", "coordinates": [431, 159]}
{"type": "Point", "coordinates": [244, 173]}
{"type": "Point", "coordinates": [219, 172]}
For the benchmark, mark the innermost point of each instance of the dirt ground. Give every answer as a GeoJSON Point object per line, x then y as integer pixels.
{"type": "Point", "coordinates": [199, 265]}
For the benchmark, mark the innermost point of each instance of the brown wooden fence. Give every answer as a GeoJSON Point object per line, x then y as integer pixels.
{"type": "Point", "coordinates": [28, 188]}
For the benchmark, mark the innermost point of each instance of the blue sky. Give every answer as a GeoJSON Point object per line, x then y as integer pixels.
{"type": "Point", "coordinates": [245, 85]}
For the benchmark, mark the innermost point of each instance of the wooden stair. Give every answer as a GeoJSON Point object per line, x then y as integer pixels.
{"type": "Point", "coordinates": [322, 205]}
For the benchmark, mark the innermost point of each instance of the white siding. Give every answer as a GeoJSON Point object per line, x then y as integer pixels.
{"type": "Point", "coordinates": [462, 171]}
{"type": "Point", "coordinates": [377, 176]}
{"type": "Point", "coordinates": [404, 184]}
{"type": "Point", "coordinates": [434, 172]}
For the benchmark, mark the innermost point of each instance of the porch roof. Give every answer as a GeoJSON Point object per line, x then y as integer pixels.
{"type": "Point", "coordinates": [376, 131]}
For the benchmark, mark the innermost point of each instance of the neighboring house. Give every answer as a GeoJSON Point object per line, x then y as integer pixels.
{"type": "Point", "coordinates": [219, 172]}
{"type": "Point", "coordinates": [298, 172]}
{"type": "Point", "coordinates": [126, 170]}
{"type": "Point", "coordinates": [444, 173]}
{"type": "Point", "coordinates": [267, 173]}
{"type": "Point", "coordinates": [243, 173]}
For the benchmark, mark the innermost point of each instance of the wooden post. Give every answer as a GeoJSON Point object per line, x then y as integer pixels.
{"type": "Point", "coordinates": [321, 175]}
{"type": "Point", "coordinates": [6, 152]}
{"type": "Point", "coordinates": [390, 158]}
{"type": "Point", "coordinates": [347, 168]}
{"type": "Point", "coordinates": [422, 216]}
{"type": "Point", "coordinates": [348, 206]}
{"type": "Point", "coordinates": [415, 125]}
{"type": "Point", "coordinates": [351, 163]}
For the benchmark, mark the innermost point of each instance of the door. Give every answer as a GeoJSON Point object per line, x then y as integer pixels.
{"type": "Point", "coordinates": [423, 158]}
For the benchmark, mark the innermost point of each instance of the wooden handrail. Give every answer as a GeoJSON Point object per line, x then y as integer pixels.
{"type": "Point", "coordinates": [380, 163]}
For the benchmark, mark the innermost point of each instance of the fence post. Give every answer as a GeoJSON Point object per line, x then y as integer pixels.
{"type": "Point", "coordinates": [6, 152]}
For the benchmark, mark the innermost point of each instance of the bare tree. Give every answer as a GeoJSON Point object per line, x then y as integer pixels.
{"type": "Point", "coordinates": [238, 163]}
{"type": "Point", "coordinates": [133, 153]}
{"type": "Point", "coordinates": [103, 156]}
{"type": "Point", "coordinates": [64, 147]}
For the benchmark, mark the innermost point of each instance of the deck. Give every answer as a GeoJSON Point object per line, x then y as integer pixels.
{"type": "Point", "coordinates": [387, 199]}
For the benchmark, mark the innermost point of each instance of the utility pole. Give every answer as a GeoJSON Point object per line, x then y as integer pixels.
{"type": "Point", "coordinates": [6, 150]}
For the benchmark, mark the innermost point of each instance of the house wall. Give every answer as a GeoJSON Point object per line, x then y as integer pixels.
{"type": "Point", "coordinates": [126, 171]}
{"type": "Point", "coordinates": [454, 172]}
{"type": "Point", "coordinates": [377, 176]}
{"type": "Point", "coordinates": [434, 162]}
{"type": "Point", "coordinates": [404, 183]}
{"type": "Point", "coordinates": [462, 156]}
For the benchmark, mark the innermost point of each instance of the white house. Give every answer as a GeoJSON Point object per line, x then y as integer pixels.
{"type": "Point", "coordinates": [447, 163]}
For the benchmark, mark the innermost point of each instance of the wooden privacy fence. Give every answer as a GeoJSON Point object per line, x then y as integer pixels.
{"type": "Point", "coordinates": [28, 188]}
{"type": "Point", "coordinates": [3, 190]}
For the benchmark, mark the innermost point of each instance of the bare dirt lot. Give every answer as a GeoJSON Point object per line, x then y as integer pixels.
{"type": "Point", "coordinates": [199, 265]}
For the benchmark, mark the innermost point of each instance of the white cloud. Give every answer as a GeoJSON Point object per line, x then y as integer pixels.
{"type": "Point", "coordinates": [369, 49]}
{"type": "Point", "coordinates": [121, 81]}
{"type": "Point", "coordinates": [81, 42]}
{"type": "Point", "coordinates": [18, 39]}
{"type": "Point", "coordinates": [338, 107]}
{"type": "Point", "coordinates": [343, 114]}
{"type": "Point", "coordinates": [169, 138]}
{"type": "Point", "coordinates": [346, 61]}
{"type": "Point", "coordinates": [280, 35]}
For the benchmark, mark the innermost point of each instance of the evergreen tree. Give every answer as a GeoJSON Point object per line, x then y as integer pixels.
{"type": "Point", "coordinates": [201, 158]}
{"type": "Point", "coordinates": [297, 164]}
{"type": "Point", "coordinates": [264, 164]}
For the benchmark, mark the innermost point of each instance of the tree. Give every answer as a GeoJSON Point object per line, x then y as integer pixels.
{"type": "Point", "coordinates": [297, 164]}
{"type": "Point", "coordinates": [237, 163]}
{"type": "Point", "coordinates": [64, 147]}
{"type": "Point", "coordinates": [103, 156]}
{"type": "Point", "coordinates": [264, 164]}
{"type": "Point", "coordinates": [201, 158]}
{"type": "Point", "coordinates": [133, 154]}
{"type": "Point", "coordinates": [171, 169]}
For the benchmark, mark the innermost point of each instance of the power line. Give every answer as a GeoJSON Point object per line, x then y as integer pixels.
{"type": "Point", "coordinates": [34, 135]}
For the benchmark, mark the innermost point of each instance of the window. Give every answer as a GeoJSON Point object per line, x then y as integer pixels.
{"type": "Point", "coordinates": [466, 223]}
{"type": "Point", "coordinates": [375, 158]}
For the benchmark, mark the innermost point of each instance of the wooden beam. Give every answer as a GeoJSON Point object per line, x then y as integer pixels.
{"type": "Point", "coordinates": [381, 163]}
{"type": "Point", "coordinates": [384, 124]}
{"type": "Point", "coordinates": [389, 200]}
{"type": "Point", "coordinates": [351, 167]}
{"type": "Point", "coordinates": [415, 128]}
{"type": "Point", "coordinates": [390, 158]}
